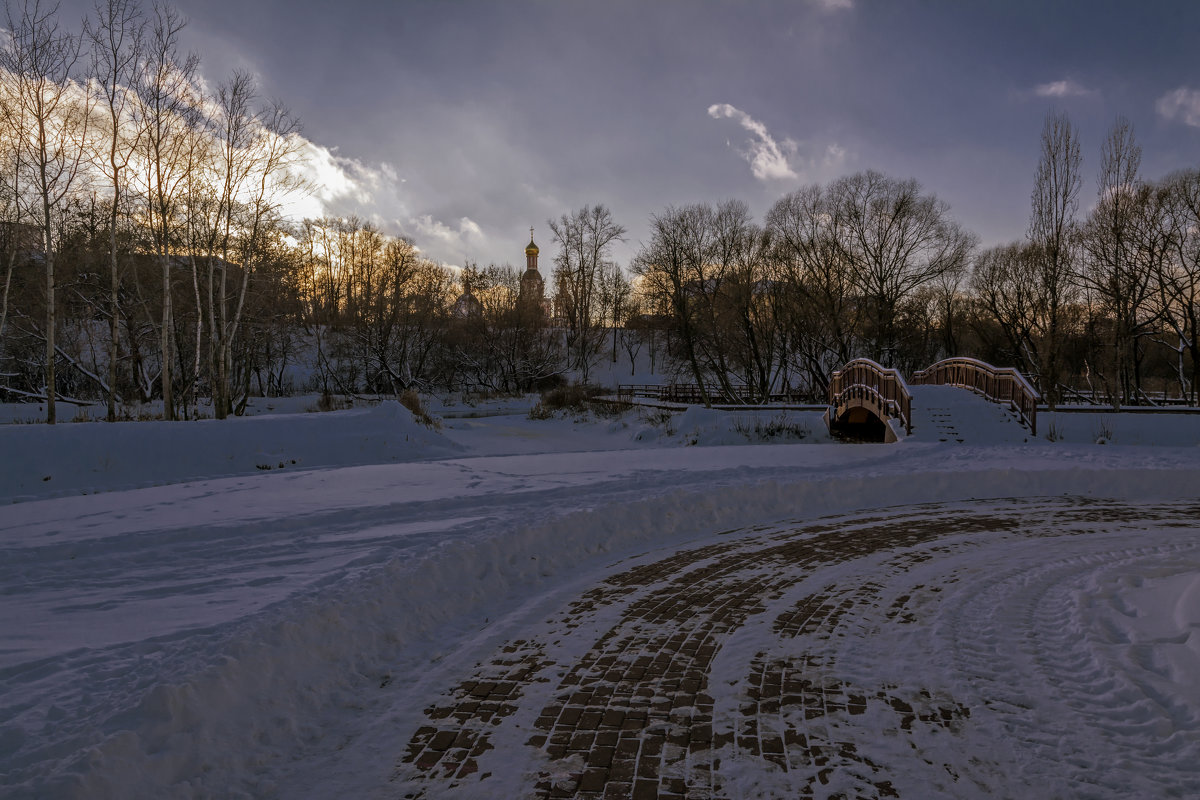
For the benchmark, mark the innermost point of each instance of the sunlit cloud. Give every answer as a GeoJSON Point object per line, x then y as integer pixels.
{"type": "Point", "coordinates": [768, 158]}
{"type": "Point", "coordinates": [342, 187]}
{"type": "Point", "coordinates": [782, 160]}
{"type": "Point", "coordinates": [1063, 88]}
{"type": "Point", "coordinates": [1182, 104]}
{"type": "Point", "coordinates": [335, 177]}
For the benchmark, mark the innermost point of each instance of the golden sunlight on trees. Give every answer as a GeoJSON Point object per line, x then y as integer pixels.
{"type": "Point", "coordinates": [49, 126]}
{"type": "Point", "coordinates": [145, 257]}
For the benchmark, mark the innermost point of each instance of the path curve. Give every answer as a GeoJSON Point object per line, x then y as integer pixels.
{"type": "Point", "coordinates": [942, 650]}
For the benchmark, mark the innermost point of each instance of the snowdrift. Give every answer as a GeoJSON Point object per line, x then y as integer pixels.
{"type": "Point", "coordinates": [86, 457]}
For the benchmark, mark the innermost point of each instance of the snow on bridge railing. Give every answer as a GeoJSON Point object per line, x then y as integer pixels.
{"type": "Point", "coordinates": [998, 384]}
{"type": "Point", "coordinates": [864, 379]}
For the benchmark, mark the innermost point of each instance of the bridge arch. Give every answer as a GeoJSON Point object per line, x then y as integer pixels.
{"type": "Point", "coordinates": [1002, 385]}
{"type": "Point", "coordinates": [864, 392]}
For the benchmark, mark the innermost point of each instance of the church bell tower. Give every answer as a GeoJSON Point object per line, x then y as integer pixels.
{"type": "Point", "coordinates": [531, 254]}
{"type": "Point", "coordinates": [533, 288]}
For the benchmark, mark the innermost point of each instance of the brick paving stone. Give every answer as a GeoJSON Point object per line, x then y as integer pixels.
{"type": "Point", "coordinates": [618, 789]}
{"type": "Point", "coordinates": [608, 738]}
{"type": "Point", "coordinates": [622, 770]}
{"type": "Point", "coordinates": [582, 741]}
{"type": "Point", "coordinates": [645, 790]}
{"type": "Point", "coordinates": [636, 713]}
{"type": "Point", "coordinates": [593, 780]}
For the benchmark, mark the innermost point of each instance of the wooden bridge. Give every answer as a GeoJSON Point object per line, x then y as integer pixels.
{"type": "Point", "coordinates": [865, 393]}
{"type": "Point", "coordinates": [1002, 385]}
{"type": "Point", "coordinates": [872, 402]}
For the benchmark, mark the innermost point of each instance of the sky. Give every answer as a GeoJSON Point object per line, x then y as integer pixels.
{"type": "Point", "coordinates": [461, 124]}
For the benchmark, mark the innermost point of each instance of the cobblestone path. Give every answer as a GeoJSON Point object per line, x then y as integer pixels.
{"type": "Point", "coordinates": [728, 665]}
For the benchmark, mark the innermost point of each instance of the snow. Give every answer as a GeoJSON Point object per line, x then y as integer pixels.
{"type": "Point", "coordinates": [137, 454]}
{"type": "Point", "coordinates": [179, 621]}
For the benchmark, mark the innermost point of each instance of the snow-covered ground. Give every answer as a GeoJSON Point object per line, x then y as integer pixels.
{"type": "Point", "coordinates": [276, 606]}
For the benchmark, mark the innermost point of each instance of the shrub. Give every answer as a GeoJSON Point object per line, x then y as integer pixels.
{"type": "Point", "coordinates": [573, 396]}
{"type": "Point", "coordinates": [777, 427]}
{"type": "Point", "coordinates": [609, 409]}
{"type": "Point", "coordinates": [541, 411]}
{"type": "Point", "coordinates": [412, 401]}
{"type": "Point", "coordinates": [660, 418]}
{"type": "Point", "coordinates": [325, 402]}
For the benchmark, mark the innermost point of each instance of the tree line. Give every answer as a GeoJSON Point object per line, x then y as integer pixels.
{"type": "Point", "coordinates": [146, 257]}
{"type": "Point", "coordinates": [1102, 307]}
{"type": "Point", "coordinates": [124, 180]}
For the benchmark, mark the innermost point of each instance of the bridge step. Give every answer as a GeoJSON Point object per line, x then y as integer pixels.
{"type": "Point", "coordinates": [959, 416]}
{"type": "Point", "coordinates": [943, 421]}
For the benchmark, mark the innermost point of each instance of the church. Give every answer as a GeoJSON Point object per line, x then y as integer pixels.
{"type": "Point", "coordinates": [531, 298]}
{"type": "Point", "coordinates": [533, 287]}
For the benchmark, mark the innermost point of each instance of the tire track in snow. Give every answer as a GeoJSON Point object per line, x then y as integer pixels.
{"type": "Point", "coordinates": [1009, 686]}
{"type": "Point", "coordinates": [1085, 719]}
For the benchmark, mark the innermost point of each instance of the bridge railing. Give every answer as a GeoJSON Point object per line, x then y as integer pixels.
{"type": "Point", "coordinates": [690, 393]}
{"type": "Point", "coordinates": [863, 379]}
{"type": "Point", "coordinates": [1002, 385]}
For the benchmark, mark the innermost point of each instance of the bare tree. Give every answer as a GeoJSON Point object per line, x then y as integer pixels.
{"type": "Point", "coordinates": [500, 348]}
{"type": "Point", "coordinates": [1178, 280]}
{"type": "Point", "coordinates": [53, 118]}
{"type": "Point", "coordinates": [12, 203]}
{"type": "Point", "coordinates": [819, 312]}
{"type": "Point", "coordinates": [1111, 271]}
{"type": "Point", "coordinates": [666, 266]}
{"type": "Point", "coordinates": [1005, 285]}
{"type": "Point", "coordinates": [166, 105]}
{"type": "Point", "coordinates": [1156, 233]}
{"type": "Point", "coordinates": [584, 239]}
{"type": "Point", "coordinates": [713, 252]}
{"type": "Point", "coordinates": [744, 288]}
{"type": "Point", "coordinates": [1052, 232]}
{"type": "Point", "coordinates": [949, 296]}
{"type": "Point", "coordinates": [116, 40]}
{"type": "Point", "coordinates": [758, 303]}
{"type": "Point", "coordinates": [272, 154]}
{"type": "Point", "coordinates": [615, 291]}
{"type": "Point", "coordinates": [254, 154]}
{"type": "Point", "coordinates": [895, 240]}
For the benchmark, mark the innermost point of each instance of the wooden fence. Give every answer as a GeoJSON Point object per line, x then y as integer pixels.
{"type": "Point", "coordinates": [691, 394]}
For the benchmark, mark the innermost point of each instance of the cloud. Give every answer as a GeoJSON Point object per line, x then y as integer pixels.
{"type": "Point", "coordinates": [834, 158]}
{"type": "Point", "coordinates": [1182, 104]}
{"type": "Point", "coordinates": [467, 229]}
{"type": "Point", "coordinates": [339, 186]}
{"type": "Point", "coordinates": [343, 187]}
{"type": "Point", "coordinates": [767, 157]}
{"type": "Point", "coordinates": [1063, 88]}
{"type": "Point", "coordinates": [833, 5]}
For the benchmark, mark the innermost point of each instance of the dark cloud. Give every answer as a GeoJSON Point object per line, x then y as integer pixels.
{"type": "Point", "coordinates": [473, 120]}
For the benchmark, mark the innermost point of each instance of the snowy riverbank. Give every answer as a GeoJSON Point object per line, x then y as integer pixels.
{"type": "Point", "coordinates": [278, 632]}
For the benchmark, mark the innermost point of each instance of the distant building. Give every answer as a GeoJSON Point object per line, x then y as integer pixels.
{"type": "Point", "coordinates": [467, 305]}
{"type": "Point", "coordinates": [532, 298]}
